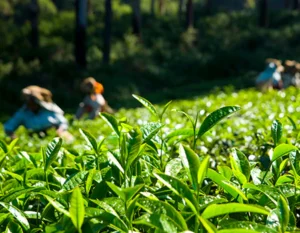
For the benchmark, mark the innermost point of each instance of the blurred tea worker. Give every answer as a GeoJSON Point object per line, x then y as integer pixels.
{"type": "Point", "coordinates": [94, 102]}
{"type": "Point", "coordinates": [291, 75]}
{"type": "Point", "coordinates": [38, 114]}
{"type": "Point", "coordinates": [270, 78]}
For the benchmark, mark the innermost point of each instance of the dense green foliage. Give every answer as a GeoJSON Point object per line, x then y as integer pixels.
{"type": "Point", "coordinates": [224, 46]}
{"type": "Point", "coordinates": [180, 167]}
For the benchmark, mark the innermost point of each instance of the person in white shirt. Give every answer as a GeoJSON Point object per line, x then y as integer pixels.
{"type": "Point", "coordinates": [94, 102]}
{"type": "Point", "coordinates": [38, 114]}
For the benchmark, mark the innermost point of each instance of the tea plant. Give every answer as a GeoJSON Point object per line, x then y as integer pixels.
{"type": "Point", "coordinates": [182, 167]}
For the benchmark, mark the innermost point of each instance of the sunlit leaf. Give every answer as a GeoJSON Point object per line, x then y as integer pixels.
{"type": "Point", "coordinates": [221, 209]}
{"type": "Point", "coordinates": [18, 214]}
{"type": "Point", "coordinates": [216, 116]}
{"type": "Point", "coordinates": [203, 170]}
{"type": "Point", "coordinates": [77, 209]}
{"type": "Point", "coordinates": [75, 180]}
{"type": "Point", "coordinates": [111, 121]}
{"type": "Point", "coordinates": [226, 184]}
{"type": "Point", "coordinates": [146, 104]}
{"type": "Point", "coordinates": [90, 139]}
{"type": "Point", "coordinates": [282, 149]}
{"type": "Point", "coordinates": [191, 162]}
{"type": "Point", "coordinates": [276, 131]}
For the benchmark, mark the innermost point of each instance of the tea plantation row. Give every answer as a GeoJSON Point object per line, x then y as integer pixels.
{"type": "Point", "coordinates": [226, 162]}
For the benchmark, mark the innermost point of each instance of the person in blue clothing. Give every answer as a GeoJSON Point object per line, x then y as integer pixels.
{"type": "Point", "coordinates": [38, 114]}
{"type": "Point", "coordinates": [270, 78]}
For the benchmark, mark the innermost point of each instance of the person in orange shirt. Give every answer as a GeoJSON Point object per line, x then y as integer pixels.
{"type": "Point", "coordinates": [94, 102]}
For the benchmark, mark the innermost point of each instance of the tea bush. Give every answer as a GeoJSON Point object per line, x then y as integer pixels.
{"type": "Point", "coordinates": [179, 167]}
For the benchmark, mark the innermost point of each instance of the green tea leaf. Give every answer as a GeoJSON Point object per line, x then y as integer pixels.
{"type": "Point", "coordinates": [89, 180]}
{"type": "Point", "coordinates": [231, 224]}
{"type": "Point", "coordinates": [292, 122]}
{"type": "Point", "coordinates": [57, 205]}
{"type": "Point", "coordinates": [180, 189]}
{"type": "Point", "coordinates": [208, 225]}
{"type": "Point", "coordinates": [283, 213]}
{"type": "Point", "coordinates": [133, 147]}
{"type": "Point", "coordinates": [90, 139]}
{"type": "Point", "coordinates": [225, 184]}
{"type": "Point", "coordinates": [14, 175]}
{"type": "Point", "coordinates": [117, 190]}
{"type": "Point", "coordinates": [281, 150]}
{"type": "Point", "coordinates": [238, 230]}
{"type": "Point", "coordinates": [150, 130]}
{"type": "Point", "coordinates": [203, 170]}
{"type": "Point", "coordinates": [146, 104]}
{"type": "Point", "coordinates": [111, 121]}
{"type": "Point", "coordinates": [240, 163]}
{"type": "Point", "coordinates": [159, 207]}
{"type": "Point", "coordinates": [15, 193]}
{"type": "Point", "coordinates": [113, 222]}
{"type": "Point", "coordinates": [276, 131]}
{"type": "Point", "coordinates": [77, 209]}
{"type": "Point", "coordinates": [159, 221]}
{"type": "Point", "coordinates": [11, 146]}
{"type": "Point", "coordinates": [112, 158]}
{"type": "Point", "coordinates": [180, 132]}
{"type": "Point", "coordinates": [75, 180]}
{"type": "Point", "coordinates": [216, 116]}
{"type": "Point", "coordinates": [191, 162]}
{"type": "Point", "coordinates": [164, 109]}
{"type": "Point", "coordinates": [52, 151]}
{"type": "Point", "coordinates": [3, 146]}
{"type": "Point", "coordinates": [229, 208]}
{"type": "Point", "coordinates": [18, 214]}
{"type": "Point", "coordinates": [13, 227]}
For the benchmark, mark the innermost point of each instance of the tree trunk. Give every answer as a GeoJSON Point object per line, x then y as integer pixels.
{"type": "Point", "coordinates": [80, 32]}
{"type": "Point", "coordinates": [161, 7]}
{"type": "Point", "coordinates": [107, 31]}
{"type": "Point", "coordinates": [152, 7]}
{"type": "Point", "coordinates": [33, 16]}
{"type": "Point", "coordinates": [180, 9]}
{"type": "Point", "coordinates": [286, 3]}
{"type": "Point", "coordinates": [208, 6]}
{"type": "Point", "coordinates": [263, 13]}
{"type": "Point", "coordinates": [136, 18]}
{"type": "Point", "coordinates": [189, 14]}
{"type": "Point", "coordinates": [295, 4]}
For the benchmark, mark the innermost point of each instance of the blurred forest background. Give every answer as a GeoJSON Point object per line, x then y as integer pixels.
{"type": "Point", "coordinates": [160, 49]}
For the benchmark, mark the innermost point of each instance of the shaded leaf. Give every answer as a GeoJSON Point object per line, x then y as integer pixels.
{"type": "Point", "coordinates": [52, 151]}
